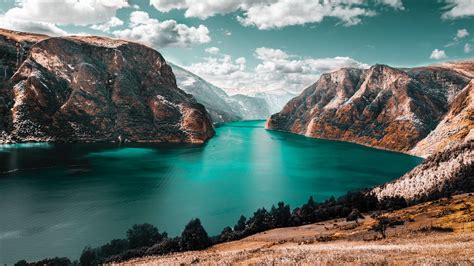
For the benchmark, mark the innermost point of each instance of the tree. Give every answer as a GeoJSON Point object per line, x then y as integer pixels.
{"type": "Point", "coordinates": [143, 235]}
{"type": "Point", "coordinates": [114, 247]}
{"type": "Point", "coordinates": [392, 203]}
{"type": "Point", "coordinates": [354, 215]}
{"type": "Point", "coordinates": [240, 226]}
{"type": "Point", "coordinates": [227, 234]}
{"type": "Point", "coordinates": [21, 263]}
{"type": "Point", "coordinates": [260, 221]}
{"type": "Point", "coordinates": [381, 225]}
{"type": "Point", "coordinates": [306, 211]}
{"type": "Point", "coordinates": [88, 257]}
{"type": "Point", "coordinates": [280, 216]}
{"type": "Point", "coordinates": [194, 236]}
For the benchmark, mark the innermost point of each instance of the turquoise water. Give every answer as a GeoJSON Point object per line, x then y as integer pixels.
{"type": "Point", "coordinates": [56, 199]}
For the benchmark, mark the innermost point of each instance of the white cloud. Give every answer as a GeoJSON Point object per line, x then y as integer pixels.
{"type": "Point", "coordinates": [212, 50]}
{"type": "Point", "coordinates": [268, 14]}
{"type": "Point", "coordinates": [438, 54]}
{"type": "Point", "coordinates": [467, 48]}
{"type": "Point", "coordinates": [395, 4]}
{"type": "Point", "coordinates": [159, 34]}
{"type": "Point", "coordinates": [77, 12]}
{"type": "Point", "coordinates": [30, 26]}
{"type": "Point", "coordinates": [276, 70]}
{"type": "Point", "coordinates": [462, 33]}
{"type": "Point", "coordinates": [112, 23]}
{"type": "Point", "coordinates": [458, 9]}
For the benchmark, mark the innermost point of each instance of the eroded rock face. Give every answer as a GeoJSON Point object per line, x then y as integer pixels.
{"type": "Point", "coordinates": [89, 89]}
{"type": "Point", "coordinates": [382, 106]}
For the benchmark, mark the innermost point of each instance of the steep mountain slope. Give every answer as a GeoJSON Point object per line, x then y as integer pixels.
{"type": "Point", "coordinates": [221, 106]}
{"type": "Point", "coordinates": [252, 108]}
{"type": "Point", "coordinates": [382, 107]}
{"type": "Point", "coordinates": [275, 99]}
{"type": "Point", "coordinates": [448, 172]}
{"type": "Point", "coordinates": [90, 89]}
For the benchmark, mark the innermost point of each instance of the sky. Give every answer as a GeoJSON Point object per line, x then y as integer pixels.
{"type": "Point", "coordinates": [245, 46]}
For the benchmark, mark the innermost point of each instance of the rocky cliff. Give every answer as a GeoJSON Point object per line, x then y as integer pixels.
{"type": "Point", "coordinates": [87, 89]}
{"type": "Point", "coordinates": [386, 107]}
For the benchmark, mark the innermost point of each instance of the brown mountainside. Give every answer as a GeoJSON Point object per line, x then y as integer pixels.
{"type": "Point", "coordinates": [92, 89]}
{"type": "Point", "coordinates": [384, 107]}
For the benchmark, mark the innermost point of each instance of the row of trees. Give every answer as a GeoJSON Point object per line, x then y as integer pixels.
{"type": "Point", "coordinates": [145, 239]}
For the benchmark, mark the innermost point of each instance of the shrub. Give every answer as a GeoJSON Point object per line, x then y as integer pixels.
{"type": "Point", "coordinates": [166, 246]}
{"type": "Point", "coordinates": [143, 235]}
{"type": "Point", "coordinates": [355, 215]}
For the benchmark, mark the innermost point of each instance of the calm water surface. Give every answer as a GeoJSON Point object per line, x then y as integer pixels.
{"type": "Point", "coordinates": [56, 199]}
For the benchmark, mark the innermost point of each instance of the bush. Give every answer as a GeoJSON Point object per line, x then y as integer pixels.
{"type": "Point", "coordinates": [49, 262]}
{"type": "Point", "coordinates": [143, 235]}
{"type": "Point", "coordinates": [194, 237]}
{"type": "Point", "coordinates": [166, 246]}
{"type": "Point", "coordinates": [355, 215]}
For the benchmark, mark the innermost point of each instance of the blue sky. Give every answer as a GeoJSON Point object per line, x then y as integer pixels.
{"type": "Point", "coordinates": [254, 45]}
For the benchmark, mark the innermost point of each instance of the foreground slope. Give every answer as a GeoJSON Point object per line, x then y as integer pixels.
{"type": "Point", "coordinates": [438, 232]}
{"type": "Point", "coordinates": [88, 89]}
{"type": "Point", "coordinates": [385, 107]}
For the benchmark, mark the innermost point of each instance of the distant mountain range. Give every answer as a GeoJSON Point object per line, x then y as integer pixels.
{"type": "Point", "coordinates": [224, 107]}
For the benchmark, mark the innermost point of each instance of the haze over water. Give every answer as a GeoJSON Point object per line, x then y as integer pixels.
{"type": "Point", "coordinates": [56, 199]}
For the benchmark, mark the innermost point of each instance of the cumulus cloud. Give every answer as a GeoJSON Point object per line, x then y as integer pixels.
{"type": "Point", "coordinates": [461, 34]}
{"type": "Point", "coordinates": [467, 48]}
{"type": "Point", "coordinates": [276, 70]}
{"type": "Point", "coordinates": [458, 9]}
{"type": "Point", "coordinates": [267, 14]}
{"type": "Point", "coordinates": [77, 12]}
{"type": "Point", "coordinates": [395, 4]}
{"type": "Point", "coordinates": [112, 23]}
{"type": "Point", "coordinates": [438, 54]}
{"type": "Point", "coordinates": [159, 34]}
{"type": "Point", "coordinates": [212, 50]}
{"type": "Point", "coordinates": [30, 26]}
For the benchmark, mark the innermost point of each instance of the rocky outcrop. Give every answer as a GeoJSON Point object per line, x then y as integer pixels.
{"type": "Point", "coordinates": [385, 107]}
{"type": "Point", "coordinates": [88, 89]}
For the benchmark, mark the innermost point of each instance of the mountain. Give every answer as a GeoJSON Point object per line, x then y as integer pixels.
{"type": "Point", "coordinates": [386, 107]}
{"type": "Point", "coordinates": [221, 106]}
{"type": "Point", "coordinates": [275, 99]}
{"type": "Point", "coordinates": [88, 89]}
{"type": "Point", "coordinates": [252, 108]}
{"type": "Point", "coordinates": [424, 111]}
